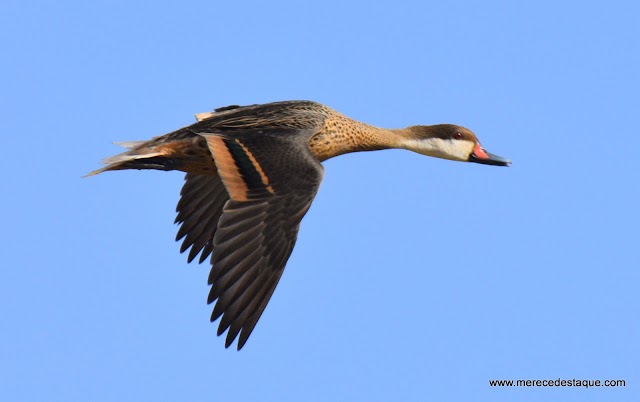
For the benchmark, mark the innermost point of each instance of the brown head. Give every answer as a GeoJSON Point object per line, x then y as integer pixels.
{"type": "Point", "coordinates": [448, 141]}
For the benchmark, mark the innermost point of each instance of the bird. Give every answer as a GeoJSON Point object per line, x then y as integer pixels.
{"type": "Point", "coordinates": [252, 173]}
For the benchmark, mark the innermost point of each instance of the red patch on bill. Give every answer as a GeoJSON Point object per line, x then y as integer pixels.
{"type": "Point", "coordinates": [479, 152]}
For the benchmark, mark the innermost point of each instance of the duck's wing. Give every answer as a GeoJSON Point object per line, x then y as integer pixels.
{"type": "Point", "coordinates": [271, 178]}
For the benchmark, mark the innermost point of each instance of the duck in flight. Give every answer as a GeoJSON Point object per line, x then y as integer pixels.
{"type": "Point", "coordinates": [251, 175]}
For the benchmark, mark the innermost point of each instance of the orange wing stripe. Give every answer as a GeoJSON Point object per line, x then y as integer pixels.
{"type": "Point", "coordinates": [229, 173]}
{"type": "Point", "coordinates": [256, 165]}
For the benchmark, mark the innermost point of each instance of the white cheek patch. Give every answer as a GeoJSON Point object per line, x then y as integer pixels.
{"type": "Point", "coordinates": [457, 150]}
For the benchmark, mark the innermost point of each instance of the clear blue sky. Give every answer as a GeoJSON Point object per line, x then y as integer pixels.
{"type": "Point", "coordinates": [413, 278]}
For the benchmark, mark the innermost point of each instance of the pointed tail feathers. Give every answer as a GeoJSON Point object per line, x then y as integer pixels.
{"type": "Point", "coordinates": [187, 152]}
{"type": "Point", "coordinates": [139, 156]}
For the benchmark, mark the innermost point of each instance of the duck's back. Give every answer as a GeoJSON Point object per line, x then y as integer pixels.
{"type": "Point", "coordinates": [288, 114]}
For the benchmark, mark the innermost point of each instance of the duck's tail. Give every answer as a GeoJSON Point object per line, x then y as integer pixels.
{"type": "Point", "coordinates": [186, 154]}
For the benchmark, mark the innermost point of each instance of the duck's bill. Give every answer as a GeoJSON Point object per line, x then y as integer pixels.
{"type": "Point", "coordinates": [479, 155]}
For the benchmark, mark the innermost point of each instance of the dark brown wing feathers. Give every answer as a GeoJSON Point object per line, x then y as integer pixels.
{"type": "Point", "coordinates": [249, 231]}
{"type": "Point", "coordinates": [199, 209]}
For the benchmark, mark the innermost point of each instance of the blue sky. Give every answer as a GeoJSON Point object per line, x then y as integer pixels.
{"type": "Point", "coordinates": [413, 278]}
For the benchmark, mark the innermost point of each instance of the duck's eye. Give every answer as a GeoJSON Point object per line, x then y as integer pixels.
{"type": "Point", "coordinates": [458, 136]}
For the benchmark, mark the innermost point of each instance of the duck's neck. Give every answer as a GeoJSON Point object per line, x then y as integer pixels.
{"type": "Point", "coordinates": [341, 135]}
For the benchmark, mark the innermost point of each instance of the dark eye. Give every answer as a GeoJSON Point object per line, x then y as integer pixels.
{"type": "Point", "coordinates": [458, 136]}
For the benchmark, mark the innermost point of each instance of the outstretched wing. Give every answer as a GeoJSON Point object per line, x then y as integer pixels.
{"type": "Point", "coordinates": [271, 178]}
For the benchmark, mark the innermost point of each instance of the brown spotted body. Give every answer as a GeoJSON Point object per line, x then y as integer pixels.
{"type": "Point", "coordinates": [340, 135]}
{"type": "Point", "coordinates": [252, 174]}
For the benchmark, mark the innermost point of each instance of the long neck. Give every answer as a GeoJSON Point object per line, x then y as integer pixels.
{"type": "Point", "coordinates": [341, 135]}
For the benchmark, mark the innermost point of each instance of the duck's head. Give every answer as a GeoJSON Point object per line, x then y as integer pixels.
{"type": "Point", "coordinates": [448, 141]}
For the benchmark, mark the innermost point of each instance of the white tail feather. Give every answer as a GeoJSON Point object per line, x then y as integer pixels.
{"type": "Point", "coordinates": [126, 156]}
{"type": "Point", "coordinates": [113, 161]}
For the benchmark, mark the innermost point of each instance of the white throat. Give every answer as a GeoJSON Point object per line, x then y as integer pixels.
{"type": "Point", "coordinates": [457, 150]}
